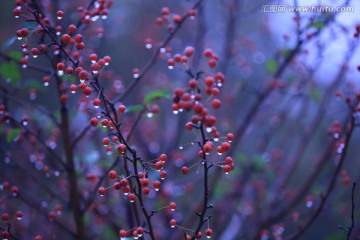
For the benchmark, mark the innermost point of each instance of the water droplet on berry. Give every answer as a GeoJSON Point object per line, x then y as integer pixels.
{"type": "Point", "coordinates": [175, 111]}
{"type": "Point", "coordinates": [136, 75]}
{"type": "Point", "coordinates": [219, 84]}
{"type": "Point", "coordinates": [208, 129]}
{"type": "Point", "coordinates": [94, 18]}
{"type": "Point", "coordinates": [219, 153]}
{"type": "Point", "coordinates": [148, 46]}
{"type": "Point", "coordinates": [46, 84]}
{"type": "Point", "coordinates": [162, 50]}
{"type": "Point", "coordinates": [60, 72]}
{"type": "Point", "coordinates": [181, 147]}
{"type": "Point", "coordinates": [157, 189]}
{"type": "Point", "coordinates": [170, 67]}
{"type": "Point", "coordinates": [104, 17]}
{"type": "Point", "coordinates": [216, 139]}
{"type": "Point", "coordinates": [149, 115]}
{"type": "Point", "coordinates": [95, 72]}
{"type": "Point", "coordinates": [35, 56]}
{"type": "Point", "coordinates": [19, 38]}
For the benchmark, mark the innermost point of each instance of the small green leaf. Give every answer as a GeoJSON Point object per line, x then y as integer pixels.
{"type": "Point", "coordinates": [318, 25]}
{"type": "Point", "coordinates": [16, 55]}
{"type": "Point", "coordinates": [134, 108]}
{"type": "Point", "coordinates": [12, 134]}
{"type": "Point", "coordinates": [34, 84]}
{"type": "Point", "coordinates": [10, 71]}
{"type": "Point", "coordinates": [271, 66]}
{"type": "Point", "coordinates": [156, 94]}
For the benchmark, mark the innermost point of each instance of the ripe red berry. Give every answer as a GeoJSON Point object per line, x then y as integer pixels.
{"type": "Point", "coordinates": [5, 235]}
{"type": "Point", "coordinates": [208, 233]}
{"type": "Point", "coordinates": [96, 102]}
{"type": "Point", "coordinates": [5, 217]}
{"type": "Point", "coordinates": [72, 28]}
{"type": "Point", "coordinates": [87, 91]}
{"type": "Point", "coordinates": [102, 191]}
{"type": "Point", "coordinates": [227, 169]}
{"type": "Point", "coordinates": [132, 197]}
{"type": "Point", "coordinates": [216, 103]}
{"type": "Point", "coordinates": [163, 157]}
{"type": "Point", "coordinates": [59, 14]}
{"type": "Point", "coordinates": [112, 174]}
{"type": "Point", "coordinates": [146, 191]}
{"type": "Point", "coordinates": [94, 122]}
{"type": "Point", "coordinates": [165, 11]}
{"type": "Point", "coordinates": [189, 126]}
{"type": "Point", "coordinates": [163, 175]}
{"type": "Point", "coordinates": [144, 182]}
{"type": "Point", "coordinates": [157, 185]}
{"type": "Point", "coordinates": [172, 223]}
{"type": "Point", "coordinates": [212, 63]}
{"type": "Point", "coordinates": [230, 137]}
{"type": "Point", "coordinates": [121, 148]}
{"type": "Point", "coordinates": [104, 122]}
{"type": "Point", "coordinates": [172, 206]}
{"type": "Point", "coordinates": [208, 52]}
{"type": "Point", "coordinates": [184, 170]}
{"type": "Point", "coordinates": [66, 38]}
{"type": "Point", "coordinates": [122, 233]}
{"type": "Point", "coordinates": [177, 18]}
{"type": "Point", "coordinates": [225, 146]}
{"type": "Point", "coordinates": [189, 51]}
{"type": "Point", "coordinates": [60, 66]}
{"type": "Point", "coordinates": [19, 215]}
{"type": "Point", "coordinates": [121, 108]}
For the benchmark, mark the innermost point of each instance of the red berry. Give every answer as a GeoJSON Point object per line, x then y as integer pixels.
{"type": "Point", "coordinates": [122, 233]}
{"type": "Point", "coordinates": [112, 174]}
{"type": "Point", "coordinates": [189, 51]}
{"type": "Point", "coordinates": [163, 157]}
{"type": "Point", "coordinates": [216, 103]}
{"type": "Point", "coordinates": [102, 191]}
{"type": "Point", "coordinates": [60, 66]}
{"type": "Point", "coordinates": [172, 206]}
{"type": "Point", "coordinates": [96, 102]}
{"type": "Point", "coordinates": [225, 146]}
{"type": "Point", "coordinates": [184, 170]}
{"type": "Point", "coordinates": [66, 38]}
{"type": "Point", "coordinates": [230, 137]}
{"type": "Point", "coordinates": [163, 175]}
{"type": "Point", "coordinates": [208, 52]}
{"type": "Point", "coordinates": [5, 217]}
{"type": "Point", "coordinates": [72, 28]}
{"type": "Point", "coordinates": [146, 191]}
{"type": "Point", "coordinates": [19, 215]}
{"type": "Point", "coordinates": [227, 169]}
{"type": "Point", "coordinates": [156, 185]}
{"type": "Point", "coordinates": [132, 197]}
{"type": "Point", "coordinates": [104, 122]}
{"type": "Point", "coordinates": [121, 148]}
{"type": "Point", "coordinates": [165, 11]}
{"type": "Point", "coordinates": [121, 108]}
{"type": "Point", "coordinates": [212, 63]}
{"type": "Point", "coordinates": [172, 223]}
{"type": "Point", "coordinates": [87, 91]}
{"type": "Point", "coordinates": [177, 18]}
{"type": "Point", "coordinates": [94, 122]}
{"type": "Point", "coordinates": [189, 126]}
{"type": "Point", "coordinates": [208, 233]}
{"type": "Point", "coordinates": [59, 14]}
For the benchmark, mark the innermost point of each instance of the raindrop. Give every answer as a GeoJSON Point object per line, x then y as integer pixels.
{"type": "Point", "coordinates": [149, 115]}
{"type": "Point", "coordinates": [136, 75]}
{"type": "Point", "coordinates": [181, 147]}
{"type": "Point", "coordinates": [46, 84]}
{"type": "Point", "coordinates": [60, 72]}
{"type": "Point", "coordinates": [208, 129]}
{"type": "Point", "coordinates": [94, 18]}
{"type": "Point", "coordinates": [148, 46]}
{"type": "Point", "coordinates": [175, 112]}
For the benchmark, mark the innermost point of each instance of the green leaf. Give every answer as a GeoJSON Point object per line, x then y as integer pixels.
{"type": "Point", "coordinates": [12, 134]}
{"type": "Point", "coordinates": [34, 84]}
{"type": "Point", "coordinates": [10, 71]}
{"type": "Point", "coordinates": [271, 66]}
{"type": "Point", "coordinates": [16, 55]}
{"type": "Point", "coordinates": [318, 25]}
{"type": "Point", "coordinates": [134, 108]}
{"type": "Point", "coordinates": [156, 94]}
